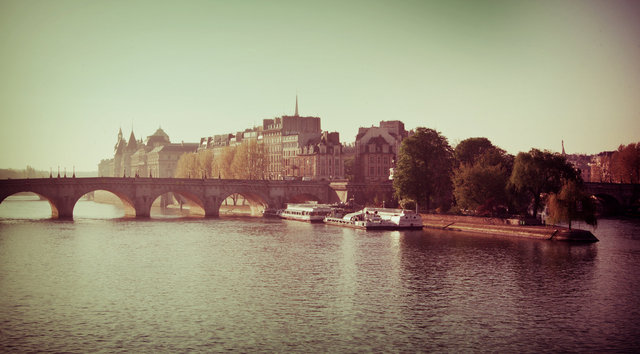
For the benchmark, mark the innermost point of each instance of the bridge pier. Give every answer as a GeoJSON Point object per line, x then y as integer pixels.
{"type": "Point", "coordinates": [62, 207]}
{"type": "Point", "coordinates": [142, 205]}
{"type": "Point", "coordinates": [211, 207]}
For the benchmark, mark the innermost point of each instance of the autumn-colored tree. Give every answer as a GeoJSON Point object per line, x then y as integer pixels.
{"type": "Point", "coordinates": [244, 161]}
{"type": "Point", "coordinates": [571, 203]}
{"type": "Point", "coordinates": [240, 164]}
{"type": "Point", "coordinates": [194, 165]}
{"type": "Point", "coordinates": [625, 164]}
{"type": "Point", "coordinates": [222, 163]}
{"type": "Point", "coordinates": [537, 172]}
{"type": "Point", "coordinates": [187, 165]}
{"type": "Point", "coordinates": [204, 164]}
{"type": "Point", "coordinates": [257, 160]}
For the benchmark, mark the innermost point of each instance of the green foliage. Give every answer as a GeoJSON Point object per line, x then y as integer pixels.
{"type": "Point", "coordinates": [469, 150]}
{"type": "Point", "coordinates": [479, 185]}
{"type": "Point", "coordinates": [480, 180]}
{"type": "Point", "coordinates": [571, 203]}
{"type": "Point", "coordinates": [424, 167]}
{"type": "Point", "coordinates": [537, 172]}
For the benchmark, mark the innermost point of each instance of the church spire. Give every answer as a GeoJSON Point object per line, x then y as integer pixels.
{"type": "Point", "coordinates": [563, 153]}
{"type": "Point", "coordinates": [296, 115]}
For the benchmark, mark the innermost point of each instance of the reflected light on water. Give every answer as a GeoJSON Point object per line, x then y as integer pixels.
{"type": "Point", "coordinates": [253, 284]}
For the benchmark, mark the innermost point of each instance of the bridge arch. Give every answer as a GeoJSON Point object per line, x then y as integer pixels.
{"type": "Point", "coordinates": [607, 204]}
{"type": "Point", "coordinates": [108, 196]}
{"type": "Point", "coordinates": [195, 203]}
{"type": "Point", "coordinates": [63, 205]}
{"type": "Point", "coordinates": [26, 195]}
{"type": "Point", "coordinates": [257, 201]}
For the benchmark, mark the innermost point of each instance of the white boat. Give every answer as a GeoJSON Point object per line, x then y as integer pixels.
{"type": "Point", "coordinates": [378, 219]}
{"type": "Point", "coordinates": [310, 212]}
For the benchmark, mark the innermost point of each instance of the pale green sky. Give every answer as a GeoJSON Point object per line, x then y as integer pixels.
{"type": "Point", "coordinates": [522, 73]}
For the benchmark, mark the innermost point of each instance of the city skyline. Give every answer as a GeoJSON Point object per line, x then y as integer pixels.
{"type": "Point", "coordinates": [523, 74]}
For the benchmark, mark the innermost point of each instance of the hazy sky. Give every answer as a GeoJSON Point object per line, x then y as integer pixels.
{"type": "Point", "coordinates": [522, 73]}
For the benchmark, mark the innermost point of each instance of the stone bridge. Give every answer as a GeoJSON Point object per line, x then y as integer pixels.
{"type": "Point", "coordinates": [616, 197]}
{"type": "Point", "coordinates": [137, 194]}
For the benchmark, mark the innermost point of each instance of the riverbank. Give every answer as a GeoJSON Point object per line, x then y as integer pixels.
{"type": "Point", "coordinates": [505, 227]}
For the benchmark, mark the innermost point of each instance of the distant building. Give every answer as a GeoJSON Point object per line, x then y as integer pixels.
{"type": "Point", "coordinates": [321, 158]}
{"type": "Point", "coordinates": [283, 138]}
{"type": "Point", "coordinates": [158, 157]}
{"type": "Point", "coordinates": [376, 149]}
{"type": "Point", "coordinates": [294, 131]}
{"type": "Point", "coordinates": [601, 169]}
{"type": "Point", "coordinates": [582, 163]}
{"type": "Point", "coordinates": [162, 161]}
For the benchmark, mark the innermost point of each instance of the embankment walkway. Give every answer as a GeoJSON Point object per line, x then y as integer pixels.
{"type": "Point", "coordinates": [505, 227]}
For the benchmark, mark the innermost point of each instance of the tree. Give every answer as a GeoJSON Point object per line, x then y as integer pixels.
{"type": "Point", "coordinates": [204, 163]}
{"type": "Point", "coordinates": [481, 186]}
{"type": "Point", "coordinates": [240, 164]}
{"type": "Point", "coordinates": [481, 176]}
{"type": "Point", "coordinates": [625, 164]}
{"type": "Point", "coordinates": [187, 165]}
{"type": "Point", "coordinates": [257, 160]}
{"type": "Point", "coordinates": [244, 161]}
{"type": "Point", "coordinates": [571, 203]}
{"type": "Point", "coordinates": [248, 161]}
{"type": "Point", "coordinates": [423, 171]}
{"type": "Point", "coordinates": [194, 164]}
{"type": "Point", "coordinates": [349, 167]}
{"type": "Point", "coordinates": [537, 172]}
{"type": "Point", "coordinates": [469, 150]}
{"type": "Point", "coordinates": [222, 163]}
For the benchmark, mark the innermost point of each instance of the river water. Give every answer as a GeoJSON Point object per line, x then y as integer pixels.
{"type": "Point", "coordinates": [103, 283]}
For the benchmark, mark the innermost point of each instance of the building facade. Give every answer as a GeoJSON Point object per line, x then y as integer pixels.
{"type": "Point", "coordinates": [376, 149]}
{"type": "Point", "coordinates": [281, 139]}
{"type": "Point", "coordinates": [157, 157]}
{"type": "Point", "coordinates": [321, 158]}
